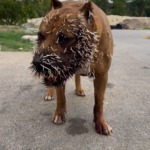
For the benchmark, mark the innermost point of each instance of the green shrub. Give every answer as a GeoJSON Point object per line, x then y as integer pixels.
{"type": "Point", "coordinates": [15, 12]}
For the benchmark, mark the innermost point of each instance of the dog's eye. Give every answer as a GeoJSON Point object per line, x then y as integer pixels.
{"type": "Point", "coordinates": [64, 40]}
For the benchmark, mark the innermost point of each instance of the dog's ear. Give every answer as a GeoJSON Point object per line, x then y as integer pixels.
{"type": "Point", "coordinates": [87, 11]}
{"type": "Point", "coordinates": [55, 4]}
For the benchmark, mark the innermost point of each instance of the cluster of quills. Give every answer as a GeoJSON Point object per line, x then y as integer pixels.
{"type": "Point", "coordinates": [56, 69]}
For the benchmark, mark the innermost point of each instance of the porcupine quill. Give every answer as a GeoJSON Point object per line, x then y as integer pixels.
{"type": "Point", "coordinates": [55, 69]}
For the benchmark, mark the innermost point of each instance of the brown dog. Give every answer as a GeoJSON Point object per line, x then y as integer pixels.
{"type": "Point", "coordinates": [74, 38]}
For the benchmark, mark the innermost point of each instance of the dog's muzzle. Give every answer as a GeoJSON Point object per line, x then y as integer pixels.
{"type": "Point", "coordinates": [37, 61]}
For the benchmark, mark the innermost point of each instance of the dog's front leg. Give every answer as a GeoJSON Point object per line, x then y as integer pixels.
{"type": "Point", "coordinates": [100, 84]}
{"type": "Point", "coordinates": [59, 116]}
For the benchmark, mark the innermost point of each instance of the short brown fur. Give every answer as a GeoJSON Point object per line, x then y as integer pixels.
{"type": "Point", "coordinates": [102, 59]}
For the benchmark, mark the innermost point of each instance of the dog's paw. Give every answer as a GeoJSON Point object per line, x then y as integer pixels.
{"type": "Point", "coordinates": [57, 119]}
{"type": "Point", "coordinates": [48, 96]}
{"type": "Point", "coordinates": [104, 129]}
{"type": "Point", "coordinates": [80, 92]}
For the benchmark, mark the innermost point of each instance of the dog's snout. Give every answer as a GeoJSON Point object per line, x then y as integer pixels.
{"type": "Point", "coordinates": [36, 60]}
{"type": "Point", "coordinates": [37, 63]}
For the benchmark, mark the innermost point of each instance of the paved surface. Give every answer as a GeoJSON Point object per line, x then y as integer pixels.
{"type": "Point", "coordinates": [25, 119]}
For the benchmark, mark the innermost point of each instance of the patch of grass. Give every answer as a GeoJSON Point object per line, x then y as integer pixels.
{"type": "Point", "coordinates": [148, 37]}
{"type": "Point", "coordinates": [146, 28]}
{"type": "Point", "coordinates": [10, 40]}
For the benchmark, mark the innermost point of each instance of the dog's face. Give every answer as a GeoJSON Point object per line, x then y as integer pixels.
{"type": "Point", "coordinates": [66, 42]}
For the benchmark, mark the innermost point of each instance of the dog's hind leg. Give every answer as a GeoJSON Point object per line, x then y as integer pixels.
{"type": "Point", "coordinates": [79, 90]}
{"type": "Point", "coordinates": [50, 95]}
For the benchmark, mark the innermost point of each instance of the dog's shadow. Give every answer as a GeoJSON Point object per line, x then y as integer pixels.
{"type": "Point", "coordinates": [76, 127]}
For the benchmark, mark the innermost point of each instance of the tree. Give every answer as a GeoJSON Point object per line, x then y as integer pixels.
{"type": "Point", "coordinates": [147, 8]}
{"type": "Point", "coordinates": [16, 12]}
{"type": "Point", "coordinates": [137, 7]}
{"type": "Point", "coordinates": [104, 5]}
{"type": "Point", "coordinates": [12, 12]}
{"type": "Point", "coordinates": [46, 6]}
{"type": "Point", "coordinates": [119, 7]}
{"type": "Point", "coordinates": [116, 7]}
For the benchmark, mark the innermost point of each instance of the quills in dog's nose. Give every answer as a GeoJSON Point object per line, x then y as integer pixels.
{"type": "Point", "coordinates": [37, 60]}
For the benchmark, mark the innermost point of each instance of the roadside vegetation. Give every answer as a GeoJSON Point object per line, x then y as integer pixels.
{"type": "Point", "coordinates": [16, 12]}
{"type": "Point", "coordinates": [10, 39]}
{"type": "Point", "coordinates": [146, 28]}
